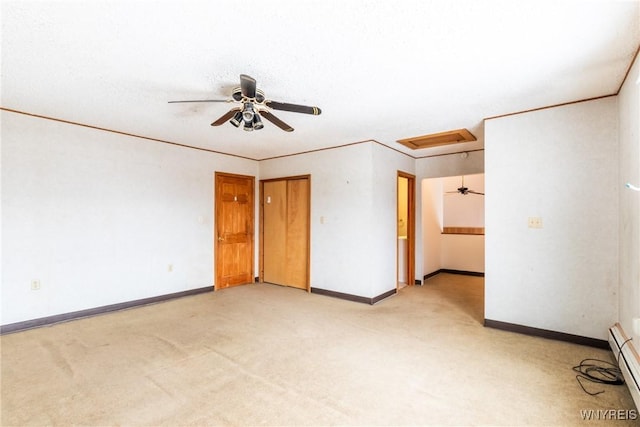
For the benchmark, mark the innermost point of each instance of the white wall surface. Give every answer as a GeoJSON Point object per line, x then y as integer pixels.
{"type": "Point", "coordinates": [463, 252]}
{"type": "Point", "coordinates": [629, 110]}
{"type": "Point", "coordinates": [560, 164]}
{"type": "Point", "coordinates": [386, 164]}
{"type": "Point", "coordinates": [98, 217]}
{"type": "Point", "coordinates": [431, 225]}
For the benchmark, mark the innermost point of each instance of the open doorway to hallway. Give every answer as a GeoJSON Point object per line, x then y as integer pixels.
{"type": "Point", "coordinates": [453, 224]}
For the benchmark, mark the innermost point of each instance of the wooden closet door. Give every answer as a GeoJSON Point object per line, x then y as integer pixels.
{"type": "Point", "coordinates": [275, 232]}
{"type": "Point", "coordinates": [297, 233]}
{"type": "Point", "coordinates": [286, 232]}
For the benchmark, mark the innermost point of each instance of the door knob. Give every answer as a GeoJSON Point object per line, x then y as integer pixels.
{"type": "Point", "coordinates": [220, 239]}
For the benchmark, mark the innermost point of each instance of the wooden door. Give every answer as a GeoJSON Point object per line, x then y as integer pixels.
{"type": "Point", "coordinates": [233, 230]}
{"type": "Point", "coordinates": [285, 232]}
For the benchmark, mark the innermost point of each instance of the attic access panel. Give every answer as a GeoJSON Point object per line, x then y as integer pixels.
{"type": "Point", "coordinates": [436, 139]}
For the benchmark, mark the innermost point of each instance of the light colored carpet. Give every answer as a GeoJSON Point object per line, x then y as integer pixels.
{"type": "Point", "coordinates": [268, 355]}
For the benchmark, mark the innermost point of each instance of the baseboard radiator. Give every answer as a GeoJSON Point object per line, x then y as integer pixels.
{"type": "Point", "coordinates": [625, 352]}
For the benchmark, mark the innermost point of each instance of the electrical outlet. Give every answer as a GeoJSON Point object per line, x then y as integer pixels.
{"type": "Point", "coordinates": [534, 222]}
{"type": "Point", "coordinates": [35, 285]}
{"type": "Point", "coordinates": [636, 326]}
{"type": "Point", "coordinates": [170, 268]}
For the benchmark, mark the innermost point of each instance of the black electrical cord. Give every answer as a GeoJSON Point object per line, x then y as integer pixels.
{"type": "Point", "coordinates": [601, 372]}
{"type": "Point", "coordinates": [621, 347]}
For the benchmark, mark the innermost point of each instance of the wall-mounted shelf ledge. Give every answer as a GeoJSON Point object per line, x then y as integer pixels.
{"type": "Point", "coordinates": [463, 230]}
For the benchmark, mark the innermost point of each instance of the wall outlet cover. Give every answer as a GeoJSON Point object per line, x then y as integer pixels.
{"type": "Point", "coordinates": [534, 222]}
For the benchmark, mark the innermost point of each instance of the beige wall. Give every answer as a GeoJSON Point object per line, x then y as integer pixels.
{"type": "Point", "coordinates": [629, 217]}
{"type": "Point", "coordinates": [560, 164]}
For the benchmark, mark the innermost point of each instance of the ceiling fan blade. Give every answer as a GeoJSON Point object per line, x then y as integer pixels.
{"type": "Point", "coordinates": [475, 192]}
{"type": "Point", "coordinates": [293, 107]}
{"type": "Point", "coordinates": [225, 117]}
{"type": "Point", "coordinates": [202, 100]}
{"type": "Point", "coordinates": [276, 121]}
{"type": "Point", "coordinates": [248, 86]}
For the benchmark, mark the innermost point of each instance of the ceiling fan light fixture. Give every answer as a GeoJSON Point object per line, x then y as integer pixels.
{"type": "Point", "coordinates": [237, 119]}
{"type": "Point", "coordinates": [247, 113]}
{"type": "Point", "coordinates": [257, 122]}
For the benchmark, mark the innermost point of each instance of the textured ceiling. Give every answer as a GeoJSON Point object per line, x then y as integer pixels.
{"type": "Point", "coordinates": [381, 70]}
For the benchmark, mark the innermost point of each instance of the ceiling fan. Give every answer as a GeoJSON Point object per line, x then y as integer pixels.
{"type": "Point", "coordinates": [254, 106]}
{"type": "Point", "coordinates": [465, 190]}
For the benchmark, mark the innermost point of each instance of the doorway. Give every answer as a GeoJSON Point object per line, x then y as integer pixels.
{"type": "Point", "coordinates": [285, 208]}
{"type": "Point", "coordinates": [233, 239]}
{"type": "Point", "coordinates": [405, 230]}
{"type": "Point", "coordinates": [453, 239]}
{"type": "Point", "coordinates": [453, 224]}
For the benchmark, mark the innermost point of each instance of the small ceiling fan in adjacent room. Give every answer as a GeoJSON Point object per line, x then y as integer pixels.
{"type": "Point", "coordinates": [254, 106]}
{"type": "Point", "coordinates": [465, 190]}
